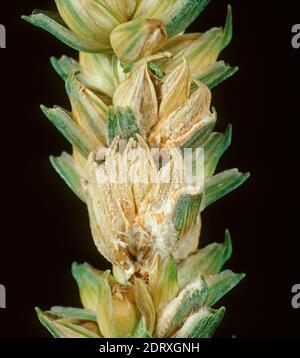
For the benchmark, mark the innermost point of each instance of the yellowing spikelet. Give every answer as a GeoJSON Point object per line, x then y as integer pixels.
{"type": "Point", "coordinates": [144, 158]}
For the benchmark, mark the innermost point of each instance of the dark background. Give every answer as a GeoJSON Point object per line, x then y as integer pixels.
{"type": "Point", "coordinates": [44, 227]}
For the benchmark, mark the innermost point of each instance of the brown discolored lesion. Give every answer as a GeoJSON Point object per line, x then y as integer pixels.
{"type": "Point", "coordinates": [140, 273]}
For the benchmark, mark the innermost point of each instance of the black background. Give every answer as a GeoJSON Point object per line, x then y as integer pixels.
{"type": "Point", "coordinates": [44, 227]}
